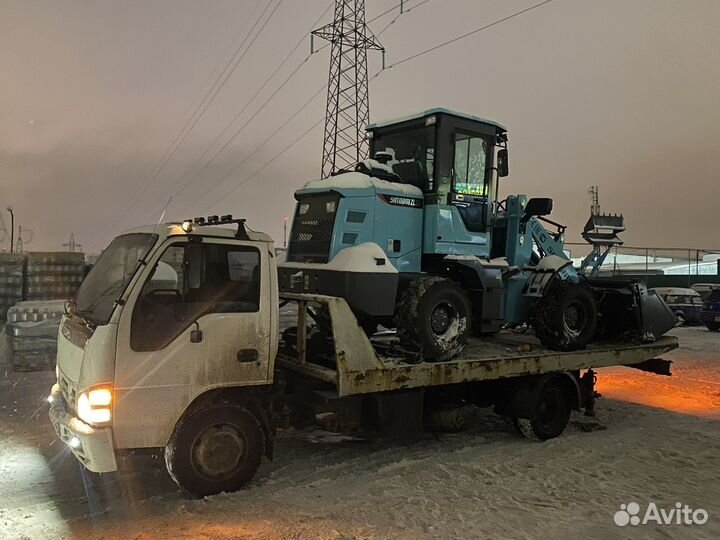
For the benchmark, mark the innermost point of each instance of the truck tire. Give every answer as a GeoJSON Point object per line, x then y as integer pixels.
{"type": "Point", "coordinates": [552, 413]}
{"type": "Point", "coordinates": [566, 317]}
{"type": "Point", "coordinates": [433, 316]}
{"type": "Point", "coordinates": [713, 326]}
{"type": "Point", "coordinates": [214, 449]}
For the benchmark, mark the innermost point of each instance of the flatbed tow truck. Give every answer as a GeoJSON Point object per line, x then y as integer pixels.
{"type": "Point", "coordinates": [174, 342]}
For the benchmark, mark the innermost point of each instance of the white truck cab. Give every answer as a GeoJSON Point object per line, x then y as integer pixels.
{"type": "Point", "coordinates": [168, 317]}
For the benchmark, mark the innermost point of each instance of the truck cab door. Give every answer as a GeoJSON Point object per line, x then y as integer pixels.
{"type": "Point", "coordinates": [177, 339]}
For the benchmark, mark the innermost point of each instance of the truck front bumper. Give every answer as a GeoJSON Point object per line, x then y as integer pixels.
{"type": "Point", "coordinates": [93, 447]}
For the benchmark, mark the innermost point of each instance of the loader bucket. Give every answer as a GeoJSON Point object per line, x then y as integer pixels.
{"type": "Point", "coordinates": [629, 310]}
{"type": "Point", "coordinates": [657, 317]}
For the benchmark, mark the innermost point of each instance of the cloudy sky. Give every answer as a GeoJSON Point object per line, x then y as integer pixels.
{"type": "Point", "coordinates": [622, 94]}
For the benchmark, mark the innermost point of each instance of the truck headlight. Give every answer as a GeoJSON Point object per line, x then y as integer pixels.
{"type": "Point", "coordinates": [93, 405]}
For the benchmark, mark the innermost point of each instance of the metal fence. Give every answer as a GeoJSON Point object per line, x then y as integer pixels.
{"type": "Point", "coordinates": [658, 265]}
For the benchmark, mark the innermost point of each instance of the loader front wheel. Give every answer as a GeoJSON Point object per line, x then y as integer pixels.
{"type": "Point", "coordinates": [566, 317]}
{"type": "Point", "coordinates": [433, 316]}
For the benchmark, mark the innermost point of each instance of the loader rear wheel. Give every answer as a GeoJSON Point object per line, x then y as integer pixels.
{"type": "Point", "coordinates": [214, 449]}
{"type": "Point", "coordinates": [433, 316]}
{"type": "Point", "coordinates": [566, 317]}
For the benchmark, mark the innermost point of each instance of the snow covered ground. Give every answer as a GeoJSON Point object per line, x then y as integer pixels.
{"type": "Point", "coordinates": [659, 441]}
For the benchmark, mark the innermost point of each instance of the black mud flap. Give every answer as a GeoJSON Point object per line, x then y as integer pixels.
{"type": "Point", "coordinates": [654, 365]}
{"type": "Point", "coordinates": [627, 307]}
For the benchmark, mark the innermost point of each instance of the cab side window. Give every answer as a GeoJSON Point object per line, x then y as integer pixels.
{"type": "Point", "coordinates": [469, 165]}
{"type": "Point", "coordinates": [167, 306]}
{"type": "Point", "coordinates": [232, 280]}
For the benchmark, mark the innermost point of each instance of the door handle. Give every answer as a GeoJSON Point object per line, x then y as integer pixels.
{"type": "Point", "coordinates": [247, 355]}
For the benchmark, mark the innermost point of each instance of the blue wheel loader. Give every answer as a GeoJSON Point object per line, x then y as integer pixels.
{"type": "Point", "coordinates": [417, 239]}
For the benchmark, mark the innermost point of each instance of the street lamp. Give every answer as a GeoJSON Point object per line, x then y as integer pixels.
{"type": "Point", "coordinates": [12, 228]}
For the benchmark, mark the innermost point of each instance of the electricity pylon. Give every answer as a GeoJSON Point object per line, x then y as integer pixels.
{"type": "Point", "coordinates": [348, 109]}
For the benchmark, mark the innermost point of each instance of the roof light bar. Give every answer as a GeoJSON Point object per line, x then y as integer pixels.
{"type": "Point", "coordinates": [217, 220]}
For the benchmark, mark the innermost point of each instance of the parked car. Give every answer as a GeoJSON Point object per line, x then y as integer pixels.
{"type": "Point", "coordinates": [710, 313]}
{"type": "Point", "coordinates": [685, 303]}
{"type": "Point", "coordinates": [704, 289]}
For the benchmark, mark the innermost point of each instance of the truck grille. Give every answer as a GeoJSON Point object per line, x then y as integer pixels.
{"type": "Point", "coordinates": [68, 391]}
{"type": "Point", "coordinates": [312, 231]}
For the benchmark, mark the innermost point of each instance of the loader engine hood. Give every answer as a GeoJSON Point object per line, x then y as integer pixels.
{"type": "Point", "coordinates": [340, 212]}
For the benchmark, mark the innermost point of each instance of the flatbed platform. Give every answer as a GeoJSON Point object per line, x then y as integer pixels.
{"type": "Point", "coordinates": [363, 365]}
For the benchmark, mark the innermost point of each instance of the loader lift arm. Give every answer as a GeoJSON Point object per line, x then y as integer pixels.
{"type": "Point", "coordinates": [548, 243]}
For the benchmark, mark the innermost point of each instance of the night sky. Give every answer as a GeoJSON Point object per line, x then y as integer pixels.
{"type": "Point", "coordinates": [622, 94]}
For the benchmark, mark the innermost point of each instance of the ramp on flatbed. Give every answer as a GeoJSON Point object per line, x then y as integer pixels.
{"type": "Point", "coordinates": [362, 367]}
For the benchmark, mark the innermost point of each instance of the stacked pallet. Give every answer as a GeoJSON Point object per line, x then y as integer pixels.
{"type": "Point", "coordinates": [11, 281]}
{"type": "Point", "coordinates": [53, 275]}
{"type": "Point", "coordinates": [31, 332]}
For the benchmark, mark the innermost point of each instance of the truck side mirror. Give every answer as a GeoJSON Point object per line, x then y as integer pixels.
{"type": "Point", "coordinates": [539, 206]}
{"type": "Point", "coordinates": [502, 162]}
{"type": "Point", "coordinates": [194, 264]}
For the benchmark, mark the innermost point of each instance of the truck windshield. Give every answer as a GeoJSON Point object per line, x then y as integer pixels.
{"type": "Point", "coordinates": [410, 153]}
{"type": "Point", "coordinates": [95, 299]}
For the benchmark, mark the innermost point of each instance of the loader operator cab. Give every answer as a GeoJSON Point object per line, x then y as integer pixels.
{"type": "Point", "coordinates": [450, 156]}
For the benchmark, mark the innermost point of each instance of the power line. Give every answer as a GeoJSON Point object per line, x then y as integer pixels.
{"type": "Point", "coordinates": [225, 80]}
{"type": "Point", "coordinates": [246, 180]}
{"type": "Point", "coordinates": [205, 103]}
{"type": "Point", "coordinates": [217, 184]}
{"type": "Point", "coordinates": [405, 11]}
{"type": "Point", "coordinates": [156, 168]}
{"type": "Point", "coordinates": [407, 59]}
{"type": "Point", "coordinates": [298, 111]}
{"type": "Point", "coordinates": [267, 139]}
{"type": "Point", "coordinates": [262, 107]}
{"type": "Point", "coordinates": [189, 119]}
{"type": "Point", "coordinates": [247, 104]}
{"type": "Point", "coordinates": [463, 36]}
{"type": "Point", "coordinates": [282, 85]}
{"type": "Point", "coordinates": [242, 128]}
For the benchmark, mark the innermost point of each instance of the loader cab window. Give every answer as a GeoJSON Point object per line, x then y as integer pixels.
{"type": "Point", "coordinates": [167, 306]}
{"type": "Point", "coordinates": [469, 165]}
{"type": "Point", "coordinates": [409, 152]}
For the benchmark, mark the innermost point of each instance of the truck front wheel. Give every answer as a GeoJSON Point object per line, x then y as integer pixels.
{"type": "Point", "coordinates": [214, 449]}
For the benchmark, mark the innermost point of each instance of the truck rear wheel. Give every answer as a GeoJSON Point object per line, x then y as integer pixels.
{"type": "Point", "coordinates": [713, 326]}
{"type": "Point", "coordinates": [566, 317]}
{"type": "Point", "coordinates": [214, 449]}
{"type": "Point", "coordinates": [552, 413]}
{"type": "Point", "coordinates": [434, 317]}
